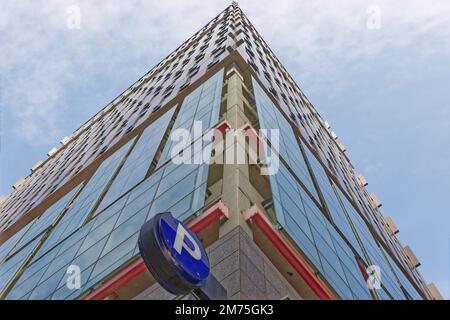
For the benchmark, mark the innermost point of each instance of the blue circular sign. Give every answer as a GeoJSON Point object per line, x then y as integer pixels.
{"type": "Point", "coordinates": [185, 248]}
{"type": "Point", "coordinates": [173, 254]}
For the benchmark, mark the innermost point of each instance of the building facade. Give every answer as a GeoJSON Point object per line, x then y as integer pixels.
{"type": "Point", "coordinates": [309, 230]}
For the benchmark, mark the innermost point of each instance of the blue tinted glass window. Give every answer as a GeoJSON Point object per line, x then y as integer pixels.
{"type": "Point", "coordinates": [138, 161]}
{"type": "Point", "coordinates": [202, 105]}
{"type": "Point", "coordinates": [109, 239]}
{"type": "Point", "coordinates": [271, 118]}
{"type": "Point", "coordinates": [315, 236]}
{"type": "Point", "coordinates": [87, 198]}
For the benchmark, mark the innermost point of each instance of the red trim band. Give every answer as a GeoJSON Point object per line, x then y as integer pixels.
{"type": "Point", "coordinates": [304, 271]}
{"type": "Point", "coordinates": [223, 126]}
{"type": "Point", "coordinates": [253, 135]}
{"type": "Point", "coordinates": [136, 268]}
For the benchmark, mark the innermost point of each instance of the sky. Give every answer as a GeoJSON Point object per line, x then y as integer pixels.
{"type": "Point", "coordinates": [378, 71]}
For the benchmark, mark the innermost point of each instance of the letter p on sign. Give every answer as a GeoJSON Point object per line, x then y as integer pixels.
{"type": "Point", "coordinates": [180, 243]}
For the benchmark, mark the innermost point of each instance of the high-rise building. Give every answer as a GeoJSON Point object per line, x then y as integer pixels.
{"type": "Point", "coordinates": [309, 229]}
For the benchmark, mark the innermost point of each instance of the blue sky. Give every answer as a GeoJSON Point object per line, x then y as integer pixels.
{"type": "Point", "coordinates": [386, 91]}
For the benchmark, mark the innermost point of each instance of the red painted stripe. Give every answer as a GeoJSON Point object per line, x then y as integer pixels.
{"type": "Point", "coordinates": [138, 267]}
{"type": "Point", "coordinates": [209, 216]}
{"type": "Point", "coordinates": [252, 134]}
{"type": "Point", "coordinates": [363, 271]}
{"type": "Point", "coordinates": [121, 278]}
{"type": "Point", "coordinates": [288, 252]}
{"type": "Point", "coordinates": [223, 126]}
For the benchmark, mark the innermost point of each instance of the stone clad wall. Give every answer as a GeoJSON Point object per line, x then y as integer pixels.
{"type": "Point", "coordinates": [241, 267]}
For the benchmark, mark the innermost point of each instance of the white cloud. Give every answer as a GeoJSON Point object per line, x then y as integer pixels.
{"type": "Point", "coordinates": [320, 37]}
{"type": "Point", "coordinates": [41, 60]}
{"type": "Point", "coordinates": [43, 63]}
{"type": "Point", "coordinates": [39, 53]}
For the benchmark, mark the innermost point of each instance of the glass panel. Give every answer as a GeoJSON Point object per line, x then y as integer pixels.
{"type": "Point", "coordinates": [84, 202]}
{"type": "Point", "coordinates": [203, 104]}
{"type": "Point", "coordinates": [9, 244]}
{"type": "Point", "coordinates": [271, 118]}
{"type": "Point", "coordinates": [139, 160]}
{"type": "Point", "coordinates": [316, 237]}
{"type": "Point", "coordinates": [9, 268]}
{"type": "Point", "coordinates": [342, 214]}
{"type": "Point", "coordinates": [27, 239]}
{"type": "Point", "coordinates": [109, 239]}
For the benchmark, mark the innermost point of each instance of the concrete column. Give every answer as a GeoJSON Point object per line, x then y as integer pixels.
{"type": "Point", "coordinates": [234, 175]}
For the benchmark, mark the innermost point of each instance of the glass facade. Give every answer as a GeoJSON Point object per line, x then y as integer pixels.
{"type": "Point", "coordinates": [119, 171]}
{"type": "Point", "coordinates": [102, 243]}
{"type": "Point", "coordinates": [308, 226]}
{"type": "Point", "coordinates": [86, 200]}
{"type": "Point", "coordinates": [18, 248]}
{"type": "Point", "coordinates": [201, 107]}
{"type": "Point", "coordinates": [138, 162]}
{"type": "Point", "coordinates": [302, 218]}
{"type": "Point", "coordinates": [270, 118]}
